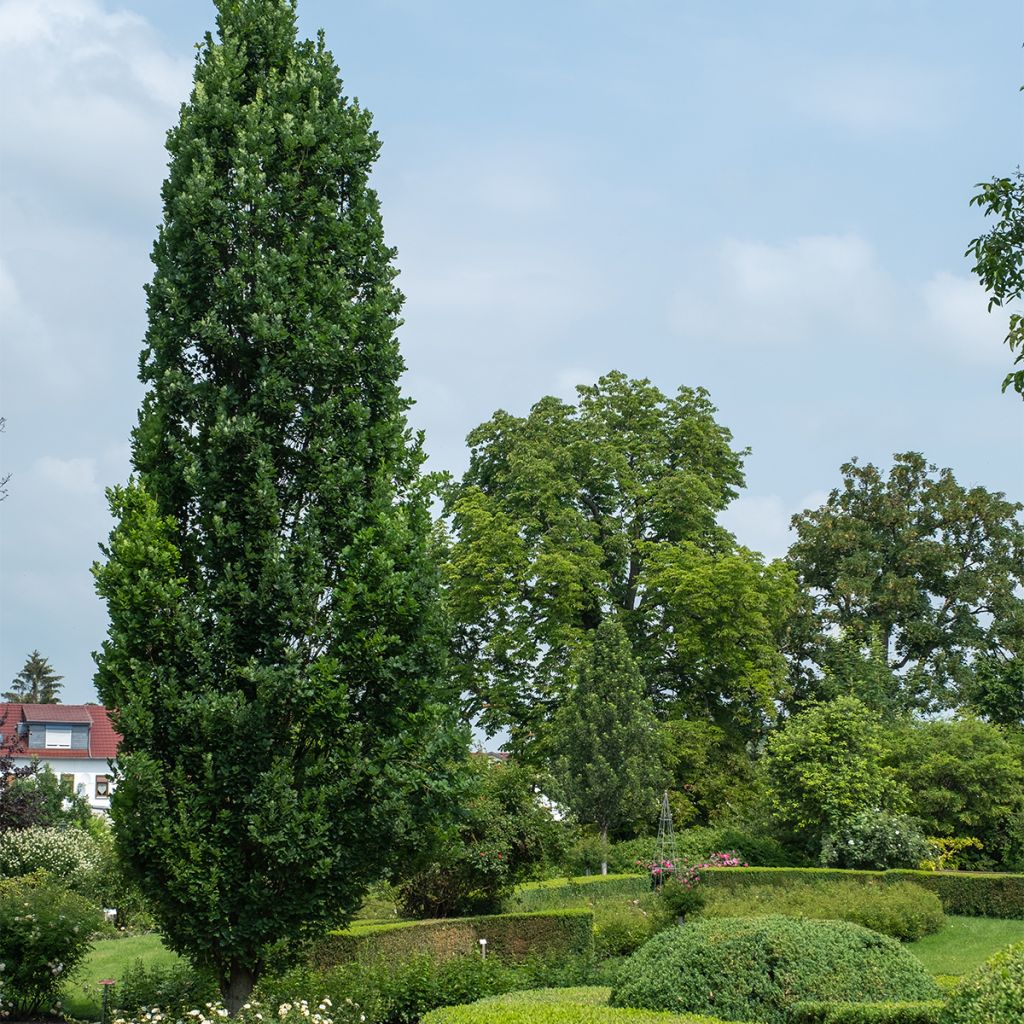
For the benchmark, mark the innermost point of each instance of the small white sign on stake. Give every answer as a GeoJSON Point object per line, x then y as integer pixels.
{"type": "Point", "coordinates": [483, 949]}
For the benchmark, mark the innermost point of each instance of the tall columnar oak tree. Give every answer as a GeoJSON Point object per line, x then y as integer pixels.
{"type": "Point", "coordinates": [275, 644]}
{"type": "Point", "coordinates": [609, 507]}
{"type": "Point", "coordinates": [923, 576]}
{"type": "Point", "coordinates": [609, 763]}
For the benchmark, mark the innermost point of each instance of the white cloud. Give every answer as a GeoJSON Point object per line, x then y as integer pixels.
{"type": "Point", "coordinates": [871, 97]}
{"type": "Point", "coordinates": [957, 317]}
{"type": "Point", "coordinates": [102, 93]}
{"type": "Point", "coordinates": [757, 293]}
{"type": "Point", "coordinates": [831, 289]}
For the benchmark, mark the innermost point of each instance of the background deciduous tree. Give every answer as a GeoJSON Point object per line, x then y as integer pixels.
{"type": "Point", "coordinates": [913, 574]}
{"type": "Point", "coordinates": [36, 683]}
{"type": "Point", "coordinates": [275, 655]}
{"type": "Point", "coordinates": [609, 507]}
{"type": "Point", "coordinates": [826, 765]}
{"type": "Point", "coordinates": [999, 258]}
{"type": "Point", "coordinates": [609, 762]}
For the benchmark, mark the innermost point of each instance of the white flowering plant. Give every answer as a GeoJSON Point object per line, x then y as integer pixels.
{"type": "Point", "coordinates": [297, 1011]}
{"type": "Point", "coordinates": [45, 933]}
{"type": "Point", "coordinates": [70, 854]}
{"type": "Point", "coordinates": [875, 841]}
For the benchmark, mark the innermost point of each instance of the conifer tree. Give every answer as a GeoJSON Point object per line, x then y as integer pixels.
{"type": "Point", "coordinates": [36, 683]}
{"type": "Point", "coordinates": [275, 651]}
{"type": "Point", "coordinates": [609, 768]}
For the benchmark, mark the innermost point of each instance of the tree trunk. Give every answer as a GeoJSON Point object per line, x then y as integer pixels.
{"type": "Point", "coordinates": [604, 849]}
{"type": "Point", "coordinates": [236, 986]}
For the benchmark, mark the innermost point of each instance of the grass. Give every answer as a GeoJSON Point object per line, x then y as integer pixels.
{"type": "Point", "coordinates": [107, 959]}
{"type": "Point", "coordinates": [965, 943]}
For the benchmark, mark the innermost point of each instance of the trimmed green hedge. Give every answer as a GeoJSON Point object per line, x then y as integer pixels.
{"type": "Point", "coordinates": [556, 1013]}
{"type": "Point", "coordinates": [970, 893]}
{"type": "Point", "coordinates": [964, 893]}
{"type": "Point", "coordinates": [509, 936]}
{"type": "Point", "coordinates": [902, 910]}
{"type": "Point", "coordinates": [757, 968]}
{"type": "Point", "coordinates": [929, 1012]}
{"type": "Point", "coordinates": [586, 1005]}
{"type": "Point", "coordinates": [553, 893]}
{"type": "Point", "coordinates": [993, 994]}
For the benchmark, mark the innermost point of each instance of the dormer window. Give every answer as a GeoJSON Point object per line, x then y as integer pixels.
{"type": "Point", "coordinates": [58, 738]}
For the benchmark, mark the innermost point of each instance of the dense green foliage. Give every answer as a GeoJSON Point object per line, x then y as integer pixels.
{"type": "Point", "coordinates": [608, 761]}
{"type": "Point", "coordinates": [276, 645]}
{"type": "Point", "coordinates": [509, 937]}
{"type": "Point", "coordinates": [994, 994]}
{"type": "Point", "coordinates": [53, 804]}
{"type": "Point", "coordinates": [499, 836]}
{"type": "Point", "coordinates": [965, 778]}
{"type": "Point", "coordinates": [921, 575]}
{"type": "Point", "coordinates": [174, 987]}
{"type": "Point", "coordinates": [756, 968]}
{"type": "Point", "coordinates": [400, 992]}
{"type": "Point", "coordinates": [904, 911]}
{"type": "Point", "coordinates": [825, 766]}
{"type": "Point", "coordinates": [555, 1013]}
{"type": "Point", "coordinates": [36, 683]}
{"type": "Point", "coordinates": [45, 933]}
{"type": "Point", "coordinates": [999, 257]}
{"type": "Point", "coordinates": [609, 506]}
{"type": "Point", "coordinates": [928, 1012]}
{"type": "Point", "coordinates": [875, 841]}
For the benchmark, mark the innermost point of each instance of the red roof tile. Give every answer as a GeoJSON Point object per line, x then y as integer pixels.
{"type": "Point", "coordinates": [103, 741]}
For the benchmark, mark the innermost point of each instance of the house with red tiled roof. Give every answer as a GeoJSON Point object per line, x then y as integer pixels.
{"type": "Point", "coordinates": [77, 741]}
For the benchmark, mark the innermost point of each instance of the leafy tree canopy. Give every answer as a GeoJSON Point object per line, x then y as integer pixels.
{"type": "Point", "coordinates": [826, 765]}
{"type": "Point", "coordinates": [276, 645]}
{"type": "Point", "coordinates": [914, 583]}
{"type": "Point", "coordinates": [36, 683]}
{"type": "Point", "coordinates": [966, 779]}
{"type": "Point", "coordinates": [999, 258]}
{"type": "Point", "coordinates": [575, 513]}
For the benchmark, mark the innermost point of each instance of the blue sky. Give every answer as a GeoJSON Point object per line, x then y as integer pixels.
{"type": "Point", "coordinates": [766, 200]}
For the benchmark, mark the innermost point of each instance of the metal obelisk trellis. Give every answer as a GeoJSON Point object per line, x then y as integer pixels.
{"type": "Point", "coordinates": [665, 857]}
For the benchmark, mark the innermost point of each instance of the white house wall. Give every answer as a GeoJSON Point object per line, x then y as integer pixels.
{"type": "Point", "coordinates": [85, 771]}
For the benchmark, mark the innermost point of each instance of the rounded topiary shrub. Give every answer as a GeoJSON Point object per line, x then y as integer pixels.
{"type": "Point", "coordinates": [993, 994]}
{"type": "Point", "coordinates": [756, 968]}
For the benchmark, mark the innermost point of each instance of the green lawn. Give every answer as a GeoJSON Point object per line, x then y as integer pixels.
{"type": "Point", "coordinates": [965, 942]}
{"type": "Point", "coordinates": [108, 959]}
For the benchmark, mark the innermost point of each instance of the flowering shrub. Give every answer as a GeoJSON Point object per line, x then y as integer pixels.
{"type": "Point", "coordinates": [875, 841]}
{"type": "Point", "coordinates": [70, 854]}
{"type": "Point", "coordinates": [295, 1012]}
{"type": "Point", "coordinates": [728, 859]}
{"type": "Point", "coordinates": [45, 933]}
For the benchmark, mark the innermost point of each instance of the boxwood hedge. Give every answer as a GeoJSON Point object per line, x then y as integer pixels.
{"type": "Point", "coordinates": [509, 936]}
{"type": "Point", "coordinates": [993, 994]}
{"type": "Point", "coordinates": [757, 968]}
{"type": "Point", "coordinates": [868, 1013]}
{"type": "Point", "coordinates": [965, 893]}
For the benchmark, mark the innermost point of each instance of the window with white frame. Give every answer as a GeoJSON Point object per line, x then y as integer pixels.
{"type": "Point", "coordinates": [58, 738]}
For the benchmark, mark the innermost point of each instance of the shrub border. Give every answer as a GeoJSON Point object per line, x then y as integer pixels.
{"type": "Point", "coordinates": [512, 936]}
{"type": "Point", "coordinates": [965, 893]}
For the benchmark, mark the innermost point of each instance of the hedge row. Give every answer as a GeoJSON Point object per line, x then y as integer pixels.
{"type": "Point", "coordinates": [965, 893]}
{"type": "Point", "coordinates": [587, 1005]}
{"type": "Point", "coordinates": [557, 1013]}
{"type": "Point", "coordinates": [867, 1013]}
{"type": "Point", "coordinates": [509, 936]}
